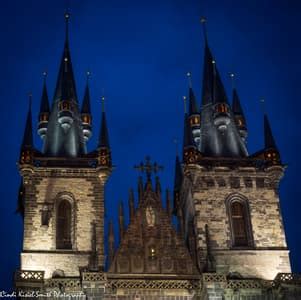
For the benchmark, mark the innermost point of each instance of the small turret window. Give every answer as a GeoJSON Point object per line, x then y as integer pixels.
{"type": "Point", "coordinates": [222, 108]}
{"type": "Point", "coordinates": [65, 105]}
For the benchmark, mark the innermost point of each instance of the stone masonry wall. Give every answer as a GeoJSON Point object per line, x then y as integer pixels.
{"type": "Point", "coordinates": [43, 189]}
{"type": "Point", "coordinates": [210, 190]}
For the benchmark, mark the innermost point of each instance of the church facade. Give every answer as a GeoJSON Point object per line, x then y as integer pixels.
{"type": "Point", "coordinates": [229, 243]}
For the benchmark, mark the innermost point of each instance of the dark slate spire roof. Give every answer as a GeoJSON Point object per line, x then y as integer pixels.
{"type": "Point", "coordinates": [236, 106]}
{"type": "Point", "coordinates": [215, 142]}
{"type": "Point", "coordinates": [104, 134]}
{"type": "Point", "coordinates": [269, 141]}
{"type": "Point", "coordinates": [44, 106]}
{"type": "Point", "coordinates": [207, 76]}
{"type": "Point", "coordinates": [65, 87]}
{"type": "Point", "coordinates": [86, 107]}
{"type": "Point", "coordinates": [213, 88]}
{"type": "Point", "coordinates": [59, 143]}
{"type": "Point", "coordinates": [27, 137]}
{"type": "Point", "coordinates": [188, 138]}
{"type": "Point", "coordinates": [193, 107]}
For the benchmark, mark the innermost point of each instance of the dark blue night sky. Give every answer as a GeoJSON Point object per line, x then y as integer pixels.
{"type": "Point", "coordinates": [139, 53]}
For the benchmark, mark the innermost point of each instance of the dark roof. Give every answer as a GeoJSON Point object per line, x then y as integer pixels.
{"type": "Point", "coordinates": [213, 88]}
{"type": "Point", "coordinates": [188, 138]}
{"type": "Point", "coordinates": [193, 107]}
{"type": "Point", "coordinates": [65, 87]}
{"type": "Point", "coordinates": [178, 174]}
{"type": "Point", "coordinates": [27, 137]}
{"type": "Point", "coordinates": [236, 106]}
{"type": "Point", "coordinates": [86, 107]}
{"type": "Point", "coordinates": [269, 141]}
{"type": "Point", "coordinates": [44, 106]}
{"type": "Point", "coordinates": [104, 134]}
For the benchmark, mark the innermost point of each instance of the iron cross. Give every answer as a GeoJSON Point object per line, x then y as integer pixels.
{"type": "Point", "coordinates": [148, 167]}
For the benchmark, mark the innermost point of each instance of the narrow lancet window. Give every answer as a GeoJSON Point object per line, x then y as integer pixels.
{"type": "Point", "coordinates": [239, 224]}
{"type": "Point", "coordinates": [63, 225]}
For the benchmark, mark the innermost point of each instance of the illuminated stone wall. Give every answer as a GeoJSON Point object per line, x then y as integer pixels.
{"type": "Point", "coordinates": [43, 189]}
{"type": "Point", "coordinates": [206, 192]}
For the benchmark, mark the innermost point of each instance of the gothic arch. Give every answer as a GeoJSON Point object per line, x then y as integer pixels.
{"type": "Point", "coordinates": [239, 217]}
{"type": "Point", "coordinates": [65, 222]}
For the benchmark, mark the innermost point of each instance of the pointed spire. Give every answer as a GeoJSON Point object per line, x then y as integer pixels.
{"type": "Point", "coordinates": [213, 89]}
{"type": "Point", "coordinates": [193, 107]}
{"type": "Point", "coordinates": [140, 188]}
{"type": "Point", "coordinates": [158, 187]}
{"type": "Point", "coordinates": [168, 204]}
{"type": "Point", "coordinates": [65, 87]}
{"type": "Point", "coordinates": [44, 106]}
{"type": "Point", "coordinates": [177, 183]}
{"type": "Point", "coordinates": [93, 264]}
{"type": "Point", "coordinates": [236, 106]}
{"type": "Point", "coordinates": [104, 134]}
{"type": "Point", "coordinates": [269, 141]}
{"type": "Point", "coordinates": [131, 204]}
{"type": "Point", "coordinates": [86, 106]}
{"type": "Point", "coordinates": [188, 138]}
{"type": "Point", "coordinates": [121, 221]}
{"type": "Point", "coordinates": [27, 137]}
{"type": "Point", "coordinates": [111, 243]}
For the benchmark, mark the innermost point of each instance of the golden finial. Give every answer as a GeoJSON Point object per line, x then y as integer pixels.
{"type": "Point", "coordinates": [203, 22]}
{"type": "Point", "coordinates": [45, 75]}
{"type": "Point", "coordinates": [232, 77]}
{"type": "Point", "coordinates": [67, 16]}
{"type": "Point", "coordinates": [184, 100]}
{"type": "Point", "coordinates": [189, 79]}
{"type": "Point", "coordinates": [88, 74]}
{"type": "Point", "coordinates": [103, 101]}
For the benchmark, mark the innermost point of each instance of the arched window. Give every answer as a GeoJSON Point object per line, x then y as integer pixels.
{"type": "Point", "coordinates": [238, 216]}
{"type": "Point", "coordinates": [240, 223]}
{"type": "Point", "coordinates": [63, 225]}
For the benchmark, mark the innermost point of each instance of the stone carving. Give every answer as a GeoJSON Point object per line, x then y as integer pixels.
{"type": "Point", "coordinates": [150, 216]}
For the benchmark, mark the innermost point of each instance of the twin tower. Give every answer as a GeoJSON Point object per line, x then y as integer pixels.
{"type": "Point", "coordinates": [230, 242]}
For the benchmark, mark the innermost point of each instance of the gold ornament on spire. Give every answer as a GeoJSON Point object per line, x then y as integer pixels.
{"type": "Point", "coordinates": [189, 79]}
{"type": "Point", "coordinates": [184, 100]}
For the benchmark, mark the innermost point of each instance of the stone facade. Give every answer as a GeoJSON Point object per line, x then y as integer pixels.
{"type": "Point", "coordinates": [44, 188]}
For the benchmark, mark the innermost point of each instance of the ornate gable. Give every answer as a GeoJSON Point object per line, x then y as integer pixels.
{"type": "Point", "coordinates": [150, 244]}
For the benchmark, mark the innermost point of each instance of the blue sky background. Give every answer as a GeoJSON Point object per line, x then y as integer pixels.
{"type": "Point", "coordinates": [139, 53]}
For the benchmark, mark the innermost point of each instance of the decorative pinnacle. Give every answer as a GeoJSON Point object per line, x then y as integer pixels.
{"type": "Point", "coordinates": [232, 77]}
{"type": "Point", "coordinates": [103, 103]}
{"type": "Point", "coordinates": [184, 100]}
{"type": "Point", "coordinates": [45, 75]}
{"type": "Point", "coordinates": [203, 22]}
{"type": "Point", "coordinates": [88, 74]}
{"type": "Point", "coordinates": [189, 79]}
{"type": "Point", "coordinates": [30, 99]}
{"type": "Point", "coordinates": [148, 167]}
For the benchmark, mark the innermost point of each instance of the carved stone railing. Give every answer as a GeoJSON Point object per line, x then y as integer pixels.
{"type": "Point", "coordinates": [244, 284]}
{"type": "Point", "coordinates": [69, 283]}
{"type": "Point", "coordinates": [93, 276]}
{"type": "Point", "coordinates": [214, 277]}
{"type": "Point", "coordinates": [288, 278]}
{"type": "Point", "coordinates": [153, 284]}
{"type": "Point", "coordinates": [23, 275]}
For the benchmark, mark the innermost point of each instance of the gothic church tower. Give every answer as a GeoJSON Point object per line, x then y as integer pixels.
{"type": "Point", "coordinates": [62, 191]}
{"type": "Point", "coordinates": [225, 197]}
